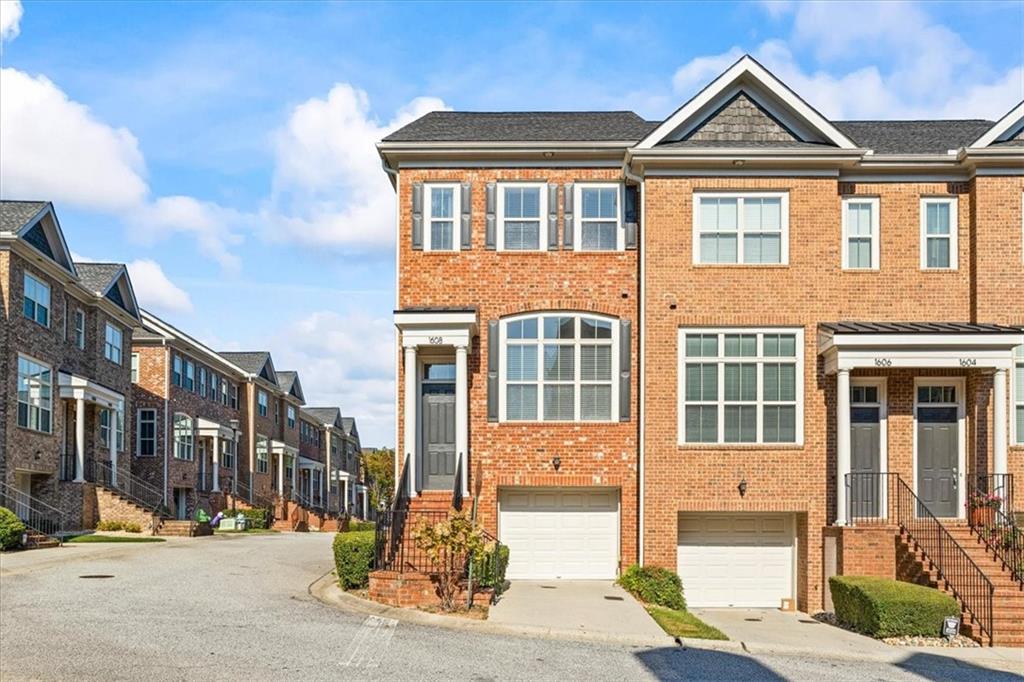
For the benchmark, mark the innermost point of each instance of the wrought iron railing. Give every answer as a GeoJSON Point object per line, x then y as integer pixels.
{"type": "Point", "coordinates": [34, 513]}
{"type": "Point", "coordinates": [990, 516]}
{"type": "Point", "coordinates": [68, 466]}
{"type": "Point", "coordinates": [1000, 485]}
{"type": "Point", "coordinates": [870, 498]}
{"type": "Point", "coordinates": [129, 485]}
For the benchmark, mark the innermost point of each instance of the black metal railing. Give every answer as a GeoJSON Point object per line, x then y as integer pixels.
{"type": "Point", "coordinates": [963, 578]}
{"type": "Point", "coordinates": [34, 513]}
{"type": "Point", "coordinates": [990, 516]}
{"type": "Point", "coordinates": [397, 551]}
{"type": "Point", "coordinates": [129, 485]}
{"type": "Point", "coordinates": [68, 466]}
{"type": "Point", "coordinates": [390, 526]}
{"type": "Point", "coordinates": [870, 498]}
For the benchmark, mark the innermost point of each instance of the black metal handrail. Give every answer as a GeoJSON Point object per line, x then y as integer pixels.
{"type": "Point", "coordinates": [998, 530]}
{"type": "Point", "coordinates": [390, 526]}
{"type": "Point", "coordinates": [869, 498]}
{"type": "Point", "coordinates": [129, 485]}
{"type": "Point", "coordinates": [34, 513]}
{"type": "Point", "coordinates": [953, 565]}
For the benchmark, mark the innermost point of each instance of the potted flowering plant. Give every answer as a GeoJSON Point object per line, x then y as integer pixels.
{"type": "Point", "coordinates": [982, 508]}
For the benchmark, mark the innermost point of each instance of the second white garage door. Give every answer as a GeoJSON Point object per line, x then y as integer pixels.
{"type": "Point", "coordinates": [560, 533]}
{"type": "Point", "coordinates": [736, 559]}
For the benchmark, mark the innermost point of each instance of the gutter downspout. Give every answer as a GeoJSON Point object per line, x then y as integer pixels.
{"type": "Point", "coordinates": [629, 175]}
{"type": "Point", "coordinates": [394, 177]}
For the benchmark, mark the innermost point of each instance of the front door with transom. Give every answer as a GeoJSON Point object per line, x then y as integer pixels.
{"type": "Point", "coordinates": [438, 421]}
{"type": "Point", "coordinates": [938, 449]}
{"type": "Point", "coordinates": [865, 451]}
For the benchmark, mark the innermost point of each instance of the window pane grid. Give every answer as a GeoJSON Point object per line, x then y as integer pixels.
{"type": "Point", "coordinates": [747, 230]}
{"type": "Point", "coordinates": [521, 218]}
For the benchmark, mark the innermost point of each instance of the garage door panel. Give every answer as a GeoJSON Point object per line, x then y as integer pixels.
{"type": "Point", "coordinates": [554, 533]}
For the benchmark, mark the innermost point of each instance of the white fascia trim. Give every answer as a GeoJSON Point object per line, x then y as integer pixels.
{"type": "Point", "coordinates": [208, 427]}
{"type": "Point", "coordinates": [173, 333]}
{"type": "Point", "coordinates": [48, 209]}
{"type": "Point", "coordinates": [423, 319]}
{"type": "Point", "coordinates": [1005, 341]}
{"type": "Point", "coordinates": [1008, 122]}
{"type": "Point", "coordinates": [760, 153]}
{"type": "Point", "coordinates": [747, 65]}
{"type": "Point", "coordinates": [73, 386]}
{"type": "Point", "coordinates": [552, 145]}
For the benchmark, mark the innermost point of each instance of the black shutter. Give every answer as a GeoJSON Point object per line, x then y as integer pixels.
{"type": "Point", "coordinates": [567, 232]}
{"type": "Point", "coordinates": [625, 369]}
{"type": "Point", "coordinates": [493, 358]}
{"type": "Point", "coordinates": [552, 217]}
{"type": "Point", "coordinates": [417, 215]}
{"type": "Point", "coordinates": [466, 200]}
{"type": "Point", "coordinates": [490, 238]}
{"type": "Point", "coordinates": [631, 215]}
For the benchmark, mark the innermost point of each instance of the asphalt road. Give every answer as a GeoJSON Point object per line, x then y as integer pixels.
{"type": "Point", "coordinates": [237, 608]}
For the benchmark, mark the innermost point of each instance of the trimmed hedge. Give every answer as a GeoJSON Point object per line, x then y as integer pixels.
{"type": "Point", "coordinates": [654, 585]}
{"type": "Point", "coordinates": [881, 607]}
{"type": "Point", "coordinates": [258, 518]}
{"type": "Point", "coordinates": [360, 526]}
{"type": "Point", "coordinates": [353, 558]}
{"type": "Point", "coordinates": [11, 529]}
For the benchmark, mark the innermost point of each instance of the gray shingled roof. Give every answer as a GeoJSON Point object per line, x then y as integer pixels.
{"type": "Point", "coordinates": [323, 415]}
{"type": "Point", "coordinates": [286, 379]}
{"type": "Point", "coordinates": [856, 327]}
{"type": "Point", "coordinates": [249, 361]}
{"type": "Point", "coordinates": [349, 425]}
{"type": "Point", "coordinates": [914, 137]}
{"type": "Point", "coordinates": [96, 277]}
{"type": "Point", "coordinates": [15, 214]}
{"type": "Point", "coordinates": [524, 126]}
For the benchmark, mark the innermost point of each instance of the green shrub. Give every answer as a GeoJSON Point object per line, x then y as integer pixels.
{"type": "Point", "coordinates": [110, 525]}
{"type": "Point", "coordinates": [489, 570]}
{"type": "Point", "coordinates": [880, 607]}
{"type": "Point", "coordinates": [11, 529]}
{"type": "Point", "coordinates": [258, 518]}
{"type": "Point", "coordinates": [654, 585]}
{"type": "Point", "coordinates": [360, 526]}
{"type": "Point", "coordinates": [130, 527]}
{"type": "Point", "coordinates": [353, 558]}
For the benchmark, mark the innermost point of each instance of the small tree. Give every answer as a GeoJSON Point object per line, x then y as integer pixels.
{"type": "Point", "coordinates": [449, 545]}
{"type": "Point", "coordinates": [379, 474]}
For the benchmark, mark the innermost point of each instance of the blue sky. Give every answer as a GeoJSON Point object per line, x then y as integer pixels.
{"type": "Point", "coordinates": [225, 150]}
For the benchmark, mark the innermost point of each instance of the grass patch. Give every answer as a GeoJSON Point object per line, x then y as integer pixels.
{"type": "Point", "coordinates": [683, 624]}
{"type": "Point", "coordinates": [86, 539]}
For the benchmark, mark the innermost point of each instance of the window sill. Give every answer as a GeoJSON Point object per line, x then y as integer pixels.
{"type": "Point", "coordinates": [740, 446]}
{"type": "Point", "coordinates": [733, 266]}
{"type": "Point", "coordinates": [602, 422]}
{"type": "Point", "coordinates": [35, 431]}
{"type": "Point", "coordinates": [862, 271]}
{"type": "Point", "coordinates": [938, 271]}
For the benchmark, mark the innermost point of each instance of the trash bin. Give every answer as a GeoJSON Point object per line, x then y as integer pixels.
{"type": "Point", "coordinates": [240, 522]}
{"type": "Point", "coordinates": [228, 523]}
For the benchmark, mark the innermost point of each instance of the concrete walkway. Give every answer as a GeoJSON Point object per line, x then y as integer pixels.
{"type": "Point", "coordinates": [581, 606]}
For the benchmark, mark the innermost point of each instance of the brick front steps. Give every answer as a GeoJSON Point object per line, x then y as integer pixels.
{"type": "Point", "coordinates": [185, 529]}
{"type": "Point", "coordinates": [35, 540]}
{"type": "Point", "coordinates": [113, 506]}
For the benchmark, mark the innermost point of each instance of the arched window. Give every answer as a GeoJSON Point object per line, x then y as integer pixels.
{"type": "Point", "coordinates": [183, 437]}
{"type": "Point", "coordinates": [559, 366]}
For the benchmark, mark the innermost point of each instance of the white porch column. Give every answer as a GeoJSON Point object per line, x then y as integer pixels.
{"type": "Point", "coordinates": [409, 422]}
{"type": "Point", "coordinates": [327, 459]}
{"type": "Point", "coordinates": [366, 504]}
{"type": "Point", "coordinates": [216, 462]}
{"type": "Point", "coordinates": [320, 494]}
{"type": "Point", "coordinates": [280, 474]}
{"type": "Point", "coordinates": [1000, 417]}
{"type": "Point", "coordinates": [79, 440]}
{"type": "Point", "coordinates": [842, 442]}
{"type": "Point", "coordinates": [344, 500]}
{"type": "Point", "coordinates": [234, 468]}
{"type": "Point", "coordinates": [295, 473]}
{"type": "Point", "coordinates": [112, 441]}
{"type": "Point", "coordinates": [461, 415]}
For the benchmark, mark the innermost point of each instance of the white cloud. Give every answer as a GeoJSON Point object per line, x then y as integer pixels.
{"type": "Point", "coordinates": [10, 18]}
{"type": "Point", "coordinates": [698, 72]}
{"type": "Point", "coordinates": [209, 223]}
{"type": "Point", "coordinates": [328, 186]}
{"type": "Point", "coordinates": [155, 291]}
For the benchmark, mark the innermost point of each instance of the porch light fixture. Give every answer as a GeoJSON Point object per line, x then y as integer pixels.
{"type": "Point", "coordinates": [556, 462]}
{"type": "Point", "coordinates": [742, 487]}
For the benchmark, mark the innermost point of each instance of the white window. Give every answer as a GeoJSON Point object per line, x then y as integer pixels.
{"type": "Point", "coordinates": [224, 393]}
{"type": "Point", "coordinates": [227, 453]}
{"type": "Point", "coordinates": [291, 417]}
{"type": "Point", "coordinates": [202, 382]}
{"type": "Point", "coordinates": [939, 233]}
{"type": "Point", "coordinates": [37, 300]}
{"type": "Point", "coordinates": [521, 208]}
{"type": "Point", "coordinates": [183, 437]}
{"type": "Point", "coordinates": [740, 386]}
{"type": "Point", "coordinates": [262, 455]}
{"type": "Point", "coordinates": [80, 328]}
{"type": "Point", "coordinates": [559, 367]}
{"type": "Point", "coordinates": [442, 230]}
{"type": "Point", "coordinates": [860, 233]}
{"type": "Point", "coordinates": [214, 380]}
{"type": "Point", "coordinates": [176, 374]}
{"type": "Point", "coordinates": [35, 395]}
{"type": "Point", "coordinates": [1018, 395]}
{"type": "Point", "coordinates": [598, 219]}
{"type": "Point", "coordinates": [118, 425]}
{"type": "Point", "coordinates": [749, 228]}
{"type": "Point", "coordinates": [234, 397]}
{"type": "Point", "coordinates": [135, 368]}
{"type": "Point", "coordinates": [112, 344]}
{"type": "Point", "coordinates": [190, 376]}
{"type": "Point", "coordinates": [145, 437]}
{"type": "Point", "coordinates": [261, 403]}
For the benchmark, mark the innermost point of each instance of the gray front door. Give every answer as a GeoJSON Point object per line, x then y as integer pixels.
{"type": "Point", "coordinates": [938, 449]}
{"type": "Point", "coordinates": [438, 436]}
{"type": "Point", "coordinates": [865, 459]}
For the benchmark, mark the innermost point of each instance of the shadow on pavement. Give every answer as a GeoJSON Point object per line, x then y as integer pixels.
{"type": "Point", "coordinates": [943, 669]}
{"type": "Point", "coordinates": [675, 663]}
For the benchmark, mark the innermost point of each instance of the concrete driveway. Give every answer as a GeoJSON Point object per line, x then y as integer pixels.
{"type": "Point", "coordinates": [590, 606]}
{"type": "Point", "coordinates": [771, 627]}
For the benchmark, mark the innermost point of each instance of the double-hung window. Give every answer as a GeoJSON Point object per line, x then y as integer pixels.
{"type": "Point", "coordinates": [520, 208]}
{"type": "Point", "coordinates": [37, 300]}
{"type": "Point", "coordinates": [117, 416]}
{"type": "Point", "coordinates": [112, 344]}
{"type": "Point", "coordinates": [202, 382]}
{"type": "Point", "coordinates": [135, 368]}
{"type": "Point", "coordinates": [261, 403]}
{"type": "Point", "coordinates": [234, 397]}
{"type": "Point", "coordinates": [224, 392]}
{"type": "Point", "coordinates": [939, 233]}
{"type": "Point", "coordinates": [146, 435]}
{"type": "Point", "coordinates": [749, 228]}
{"type": "Point", "coordinates": [35, 395]}
{"type": "Point", "coordinates": [443, 218]}
{"type": "Point", "coordinates": [227, 451]}
{"type": "Point", "coordinates": [1018, 395]}
{"type": "Point", "coordinates": [860, 233]}
{"type": "Point", "coordinates": [559, 367]}
{"type": "Point", "coordinates": [80, 328]}
{"type": "Point", "coordinates": [190, 376]}
{"type": "Point", "coordinates": [598, 220]}
{"type": "Point", "coordinates": [262, 454]}
{"type": "Point", "coordinates": [741, 386]}
{"type": "Point", "coordinates": [183, 437]}
{"type": "Point", "coordinates": [291, 417]}
{"type": "Point", "coordinates": [214, 380]}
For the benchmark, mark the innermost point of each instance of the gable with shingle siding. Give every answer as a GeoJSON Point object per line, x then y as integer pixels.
{"type": "Point", "coordinates": [740, 120]}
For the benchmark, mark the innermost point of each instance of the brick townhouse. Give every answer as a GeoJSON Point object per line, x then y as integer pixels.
{"type": "Point", "coordinates": [712, 341]}
{"type": "Point", "coordinates": [188, 422]}
{"type": "Point", "coordinates": [330, 439]}
{"type": "Point", "coordinates": [64, 350]}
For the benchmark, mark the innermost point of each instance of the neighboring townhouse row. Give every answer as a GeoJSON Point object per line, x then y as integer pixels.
{"type": "Point", "coordinates": [110, 412]}
{"type": "Point", "coordinates": [707, 342]}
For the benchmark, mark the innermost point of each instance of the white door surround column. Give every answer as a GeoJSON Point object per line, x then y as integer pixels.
{"type": "Point", "coordinates": [280, 474]}
{"type": "Point", "coordinates": [1000, 418]}
{"type": "Point", "coordinates": [411, 370]}
{"type": "Point", "coordinates": [80, 440]}
{"type": "Point", "coordinates": [842, 442]}
{"type": "Point", "coordinates": [295, 473]}
{"type": "Point", "coordinates": [461, 415]}
{"type": "Point", "coordinates": [216, 463]}
{"type": "Point", "coordinates": [112, 437]}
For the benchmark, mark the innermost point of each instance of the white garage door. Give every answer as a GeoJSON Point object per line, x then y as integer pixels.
{"type": "Point", "coordinates": [736, 559]}
{"type": "Point", "coordinates": [560, 533]}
